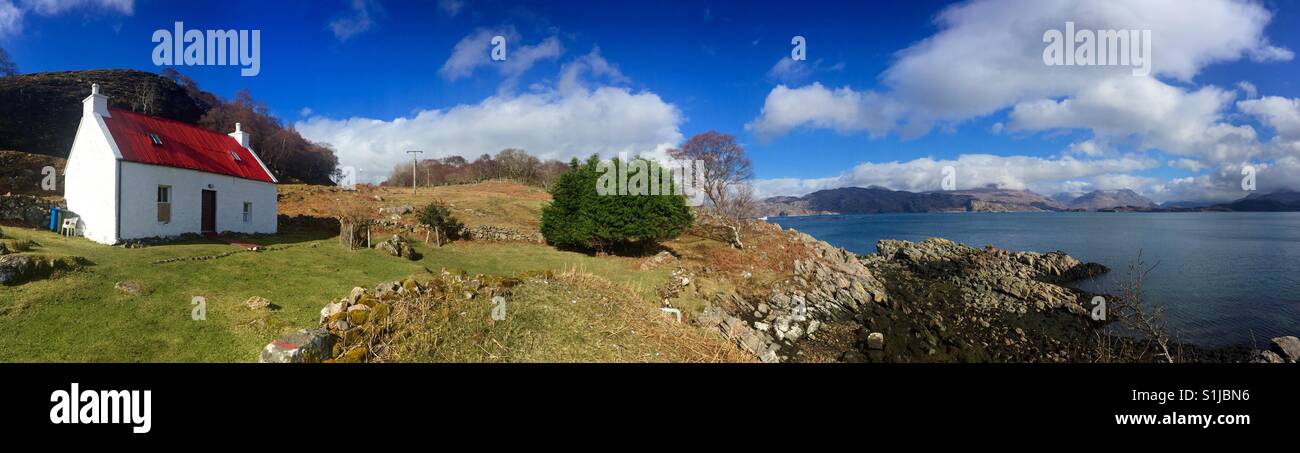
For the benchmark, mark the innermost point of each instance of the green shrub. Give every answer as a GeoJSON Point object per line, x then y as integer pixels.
{"type": "Point", "coordinates": [580, 218]}
{"type": "Point", "coordinates": [445, 225]}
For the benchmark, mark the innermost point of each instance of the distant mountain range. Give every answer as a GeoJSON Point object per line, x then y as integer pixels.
{"type": "Point", "coordinates": [877, 200]}
{"type": "Point", "coordinates": [1107, 199]}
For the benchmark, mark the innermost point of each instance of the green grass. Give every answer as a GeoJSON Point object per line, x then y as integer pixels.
{"type": "Point", "coordinates": [80, 317]}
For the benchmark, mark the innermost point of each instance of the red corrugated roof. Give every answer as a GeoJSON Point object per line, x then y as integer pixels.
{"type": "Point", "coordinates": [183, 146]}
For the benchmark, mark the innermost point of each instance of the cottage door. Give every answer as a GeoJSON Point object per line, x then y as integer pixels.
{"type": "Point", "coordinates": [209, 211]}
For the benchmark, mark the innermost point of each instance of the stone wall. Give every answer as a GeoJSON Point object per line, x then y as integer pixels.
{"type": "Point", "coordinates": [27, 210]}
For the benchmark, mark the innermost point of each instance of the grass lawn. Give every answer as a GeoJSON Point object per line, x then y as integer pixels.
{"type": "Point", "coordinates": [80, 317]}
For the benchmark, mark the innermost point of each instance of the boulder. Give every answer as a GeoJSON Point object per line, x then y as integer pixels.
{"type": "Point", "coordinates": [15, 269]}
{"type": "Point", "coordinates": [129, 287]}
{"type": "Point", "coordinates": [358, 314]}
{"type": "Point", "coordinates": [355, 295]}
{"type": "Point", "coordinates": [303, 346]}
{"type": "Point", "coordinates": [399, 247]}
{"type": "Point", "coordinates": [257, 303]}
{"type": "Point", "coordinates": [1286, 347]}
{"type": "Point", "coordinates": [330, 310]}
{"type": "Point", "coordinates": [1266, 357]}
{"type": "Point", "coordinates": [876, 341]}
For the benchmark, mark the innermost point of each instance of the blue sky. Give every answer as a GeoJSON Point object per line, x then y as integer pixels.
{"type": "Point", "coordinates": [890, 93]}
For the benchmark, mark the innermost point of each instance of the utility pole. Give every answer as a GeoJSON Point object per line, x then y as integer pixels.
{"type": "Point", "coordinates": [414, 164]}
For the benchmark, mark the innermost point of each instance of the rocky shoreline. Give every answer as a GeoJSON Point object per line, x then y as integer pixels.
{"type": "Point", "coordinates": [927, 301]}
{"type": "Point", "coordinates": [933, 301]}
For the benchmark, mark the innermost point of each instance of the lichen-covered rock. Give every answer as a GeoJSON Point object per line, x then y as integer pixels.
{"type": "Point", "coordinates": [304, 346]}
{"type": "Point", "coordinates": [354, 355]}
{"type": "Point", "coordinates": [15, 269]}
{"type": "Point", "coordinates": [129, 287]}
{"type": "Point", "coordinates": [736, 329]}
{"type": "Point", "coordinates": [356, 294]}
{"type": "Point", "coordinates": [1288, 348]}
{"type": "Point", "coordinates": [876, 341]}
{"type": "Point", "coordinates": [398, 246]}
{"type": "Point", "coordinates": [330, 310]}
{"type": "Point", "coordinates": [1266, 357]}
{"type": "Point", "coordinates": [358, 314]}
{"type": "Point", "coordinates": [257, 303]}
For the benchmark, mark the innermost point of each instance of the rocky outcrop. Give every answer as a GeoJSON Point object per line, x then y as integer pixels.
{"type": "Point", "coordinates": [828, 285]}
{"type": "Point", "coordinates": [355, 327]}
{"type": "Point", "coordinates": [304, 346]}
{"type": "Point", "coordinates": [1287, 349]}
{"type": "Point", "coordinates": [27, 210]}
{"type": "Point", "coordinates": [994, 278]}
{"type": "Point", "coordinates": [16, 269]}
{"type": "Point", "coordinates": [926, 301]}
{"type": "Point", "coordinates": [398, 246]}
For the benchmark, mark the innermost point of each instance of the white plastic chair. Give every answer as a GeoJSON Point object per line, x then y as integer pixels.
{"type": "Point", "coordinates": [69, 227]}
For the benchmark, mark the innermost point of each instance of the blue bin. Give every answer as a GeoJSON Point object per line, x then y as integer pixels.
{"type": "Point", "coordinates": [54, 219]}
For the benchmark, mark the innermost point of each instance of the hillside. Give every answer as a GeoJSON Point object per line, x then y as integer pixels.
{"type": "Point", "coordinates": [21, 173]}
{"type": "Point", "coordinates": [876, 200]}
{"type": "Point", "coordinates": [1282, 200]}
{"type": "Point", "coordinates": [39, 112]}
{"type": "Point", "coordinates": [1106, 199]}
{"type": "Point", "coordinates": [992, 199]}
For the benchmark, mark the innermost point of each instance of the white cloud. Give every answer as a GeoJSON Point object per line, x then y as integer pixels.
{"type": "Point", "coordinates": [1281, 114]}
{"type": "Point", "coordinates": [1147, 112]}
{"type": "Point", "coordinates": [986, 58]}
{"type": "Point", "coordinates": [814, 106]}
{"type": "Point", "coordinates": [305, 112]}
{"type": "Point", "coordinates": [1248, 89]}
{"type": "Point", "coordinates": [1192, 165]}
{"type": "Point", "coordinates": [987, 55]}
{"type": "Point", "coordinates": [788, 71]}
{"type": "Point", "coordinates": [551, 123]}
{"type": "Point", "coordinates": [1088, 148]}
{"type": "Point", "coordinates": [11, 19]}
{"type": "Point", "coordinates": [973, 170]}
{"type": "Point", "coordinates": [53, 7]}
{"type": "Point", "coordinates": [474, 51]}
{"type": "Point", "coordinates": [11, 12]}
{"type": "Point", "coordinates": [450, 7]}
{"type": "Point", "coordinates": [592, 64]}
{"type": "Point", "coordinates": [360, 18]}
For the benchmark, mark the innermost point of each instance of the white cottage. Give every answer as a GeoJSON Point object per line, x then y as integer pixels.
{"type": "Point", "coordinates": [132, 176]}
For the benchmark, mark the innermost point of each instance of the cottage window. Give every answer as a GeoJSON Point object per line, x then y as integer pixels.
{"type": "Point", "coordinates": [235, 157]}
{"type": "Point", "coordinates": [165, 204]}
{"type": "Point", "coordinates": [155, 138]}
{"type": "Point", "coordinates": [248, 212]}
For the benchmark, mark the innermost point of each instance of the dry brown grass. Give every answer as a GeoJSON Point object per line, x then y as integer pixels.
{"type": "Point", "coordinates": [498, 203]}
{"type": "Point", "coordinates": [569, 316]}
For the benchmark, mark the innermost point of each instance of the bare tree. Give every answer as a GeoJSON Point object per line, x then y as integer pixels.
{"type": "Point", "coordinates": [726, 177]}
{"type": "Point", "coordinates": [1135, 317]}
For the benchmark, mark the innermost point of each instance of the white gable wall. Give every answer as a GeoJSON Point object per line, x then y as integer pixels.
{"type": "Point", "coordinates": [90, 181]}
{"type": "Point", "coordinates": [140, 201]}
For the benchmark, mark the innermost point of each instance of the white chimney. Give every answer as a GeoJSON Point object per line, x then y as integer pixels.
{"type": "Point", "coordinates": [96, 103]}
{"type": "Point", "coordinates": [240, 136]}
